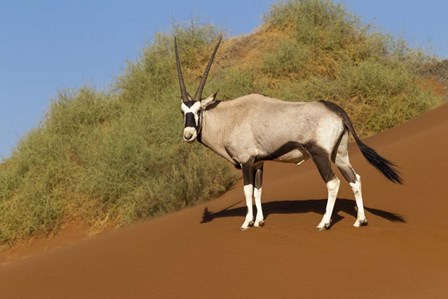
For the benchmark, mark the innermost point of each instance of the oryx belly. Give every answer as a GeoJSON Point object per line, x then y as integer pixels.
{"type": "Point", "coordinates": [296, 156]}
{"type": "Point", "coordinates": [289, 152]}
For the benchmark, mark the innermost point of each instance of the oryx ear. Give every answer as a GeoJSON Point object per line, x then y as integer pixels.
{"type": "Point", "coordinates": [210, 100]}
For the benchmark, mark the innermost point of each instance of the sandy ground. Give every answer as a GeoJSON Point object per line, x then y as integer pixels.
{"type": "Point", "coordinates": [201, 253]}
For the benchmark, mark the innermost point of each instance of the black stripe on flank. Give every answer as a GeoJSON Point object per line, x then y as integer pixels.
{"type": "Point", "coordinates": [282, 150]}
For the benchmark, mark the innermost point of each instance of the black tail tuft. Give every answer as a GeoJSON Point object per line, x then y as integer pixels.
{"type": "Point", "coordinates": [387, 168]}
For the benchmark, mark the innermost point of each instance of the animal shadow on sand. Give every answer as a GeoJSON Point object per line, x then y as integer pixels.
{"type": "Point", "coordinates": [302, 206]}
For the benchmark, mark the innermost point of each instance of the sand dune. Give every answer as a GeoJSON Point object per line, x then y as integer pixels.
{"type": "Point", "coordinates": [200, 252]}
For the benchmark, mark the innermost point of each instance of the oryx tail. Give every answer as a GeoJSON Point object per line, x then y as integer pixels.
{"type": "Point", "coordinates": [386, 167]}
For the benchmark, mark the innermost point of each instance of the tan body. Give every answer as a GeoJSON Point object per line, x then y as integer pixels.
{"type": "Point", "coordinates": [249, 127]}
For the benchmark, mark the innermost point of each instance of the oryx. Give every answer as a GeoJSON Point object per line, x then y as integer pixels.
{"type": "Point", "coordinates": [254, 128]}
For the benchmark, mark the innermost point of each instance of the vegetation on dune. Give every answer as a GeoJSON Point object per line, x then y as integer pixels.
{"type": "Point", "coordinates": [110, 158]}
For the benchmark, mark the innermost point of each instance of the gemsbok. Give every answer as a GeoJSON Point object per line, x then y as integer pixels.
{"type": "Point", "coordinates": [255, 128]}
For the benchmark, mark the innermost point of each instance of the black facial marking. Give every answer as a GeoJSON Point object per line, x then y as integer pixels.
{"type": "Point", "coordinates": [190, 120]}
{"type": "Point", "coordinates": [189, 103]}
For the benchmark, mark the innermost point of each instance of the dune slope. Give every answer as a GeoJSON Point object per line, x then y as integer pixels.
{"type": "Point", "coordinates": [200, 252]}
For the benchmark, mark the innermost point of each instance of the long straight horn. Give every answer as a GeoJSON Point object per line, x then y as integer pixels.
{"type": "Point", "coordinates": [197, 96]}
{"type": "Point", "coordinates": [183, 90]}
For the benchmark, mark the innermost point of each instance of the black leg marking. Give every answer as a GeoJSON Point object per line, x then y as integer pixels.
{"type": "Point", "coordinates": [348, 173]}
{"type": "Point", "coordinates": [248, 174]}
{"type": "Point", "coordinates": [322, 160]}
{"type": "Point", "coordinates": [336, 149]}
{"type": "Point", "coordinates": [259, 177]}
{"type": "Point", "coordinates": [341, 159]}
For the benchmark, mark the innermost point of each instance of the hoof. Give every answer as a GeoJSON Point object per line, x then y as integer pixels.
{"type": "Point", "coordinates": [259, 224]}
{"type": "Point", "coordinates": [249, 225]}
{"type": "Point", "coordinates": [361, 223]}
{"type": "Point", "coordinates": [326, 226]}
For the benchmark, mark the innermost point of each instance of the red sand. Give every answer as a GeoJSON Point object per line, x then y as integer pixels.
{"type": "Point", "coordinates": [200, 252]}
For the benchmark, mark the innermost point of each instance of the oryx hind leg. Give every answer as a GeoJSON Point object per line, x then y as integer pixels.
{"type": "Point", "coordinates": [259, 220]}
{"type": "Point", "coordinates": [322, 160]}
{"type": "Point", "coordinates": [343, 163]}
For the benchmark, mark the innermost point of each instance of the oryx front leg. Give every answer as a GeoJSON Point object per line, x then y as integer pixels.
{"type": "Point", "coordinates": [248, 193]}
{"type": "Point", "coordinates": [259, 220]}
{"type": "Point", "coordinates": [248, 176]}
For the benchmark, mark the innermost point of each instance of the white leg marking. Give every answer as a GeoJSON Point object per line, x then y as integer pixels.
{"type": "Point", "coordinates": [259, 220]}
{"type": "Point", "coordinates": [333, 188]}
{"type": "Point", "coordinates": [248, 193]}
{"type": "Point", "coordinates": [356, 187]}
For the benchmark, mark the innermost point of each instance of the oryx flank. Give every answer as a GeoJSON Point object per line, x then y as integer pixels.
{"type": "Point", "coordinates": [254, 128]}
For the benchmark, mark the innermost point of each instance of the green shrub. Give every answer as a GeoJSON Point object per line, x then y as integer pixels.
{"type": "Point", "coordinates": [289, 57]}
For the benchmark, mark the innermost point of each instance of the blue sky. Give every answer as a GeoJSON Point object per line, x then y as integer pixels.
{"type": "Point", "coordinates": [52, 45]}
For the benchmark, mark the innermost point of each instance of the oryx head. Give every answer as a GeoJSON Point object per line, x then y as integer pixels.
{"type": "Point", "coordinates": [193, 107]}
